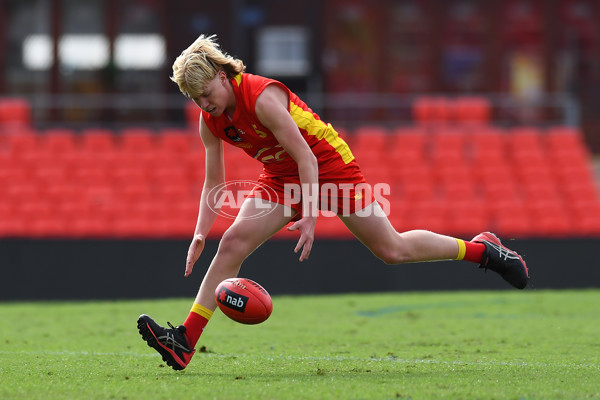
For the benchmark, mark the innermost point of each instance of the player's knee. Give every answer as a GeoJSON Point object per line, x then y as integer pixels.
{"type": "Point", "coordinates": [393, 254]}
{"type": "Point", "coordinates": [234, 242]}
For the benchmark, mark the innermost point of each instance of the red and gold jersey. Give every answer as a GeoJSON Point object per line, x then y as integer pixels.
{"type": "Point", "coordinates": [245, 131]}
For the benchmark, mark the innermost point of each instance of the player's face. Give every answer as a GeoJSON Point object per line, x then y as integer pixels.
{"type": "Point", "coordinates": [214, 97]}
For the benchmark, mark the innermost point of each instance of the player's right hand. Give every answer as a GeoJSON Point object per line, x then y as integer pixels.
{"type": "Point", "coordinates": [194, 252]}
{"type": "Point", "coordinates": [306, 227]}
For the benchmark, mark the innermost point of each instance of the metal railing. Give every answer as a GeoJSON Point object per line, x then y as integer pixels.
{"type": "Point", "coordinates": [348, 109]}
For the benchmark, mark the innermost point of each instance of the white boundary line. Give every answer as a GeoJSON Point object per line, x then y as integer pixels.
{"type": "Point", "coordinates": [484, 363]}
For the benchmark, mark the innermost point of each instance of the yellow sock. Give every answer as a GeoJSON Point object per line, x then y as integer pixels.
{"type": "Point", "coordinates": [462, 249]}
{"type": "Point", "coordinates": [202, 311]}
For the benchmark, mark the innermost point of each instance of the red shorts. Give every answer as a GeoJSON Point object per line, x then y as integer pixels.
{"type": "Point", "coordinates": [342, 193]}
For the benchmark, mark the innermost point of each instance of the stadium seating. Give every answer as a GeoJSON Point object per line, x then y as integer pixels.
{"type": "Point", "coordinates": [431, 110]}
{"type": "Point", "coordinates": [472, 110]}
{"type": "Point", "coordinates": [462, 110]}
{"type": "Point", "coordinates": [192, 114]}
{"type": "Point", "coordinates": [15, 113]}
{"type": "Point", "coordinates": [456, 179]}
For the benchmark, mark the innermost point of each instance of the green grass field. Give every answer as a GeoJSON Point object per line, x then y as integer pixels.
{"type": "Point", "coordinates": [454, 345]}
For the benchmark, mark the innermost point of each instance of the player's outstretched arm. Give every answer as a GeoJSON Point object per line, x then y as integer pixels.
{"type": "Point", "coordinates": [208, 211]}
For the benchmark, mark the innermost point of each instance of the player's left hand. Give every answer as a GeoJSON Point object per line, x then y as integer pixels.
{"type": "Point", "coordinates": [306, 226]}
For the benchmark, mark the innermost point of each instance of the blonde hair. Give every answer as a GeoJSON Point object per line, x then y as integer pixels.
{"type": "Point", "coordinates": [200, 63]}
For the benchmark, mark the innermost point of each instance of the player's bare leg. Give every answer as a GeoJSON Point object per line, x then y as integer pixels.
{"type": "Point", "coordinates": [176, 344]}
{"type": "Point", "coordinates": [375, 231]}
{"type": "Point", "coordinates": [238, 242]}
